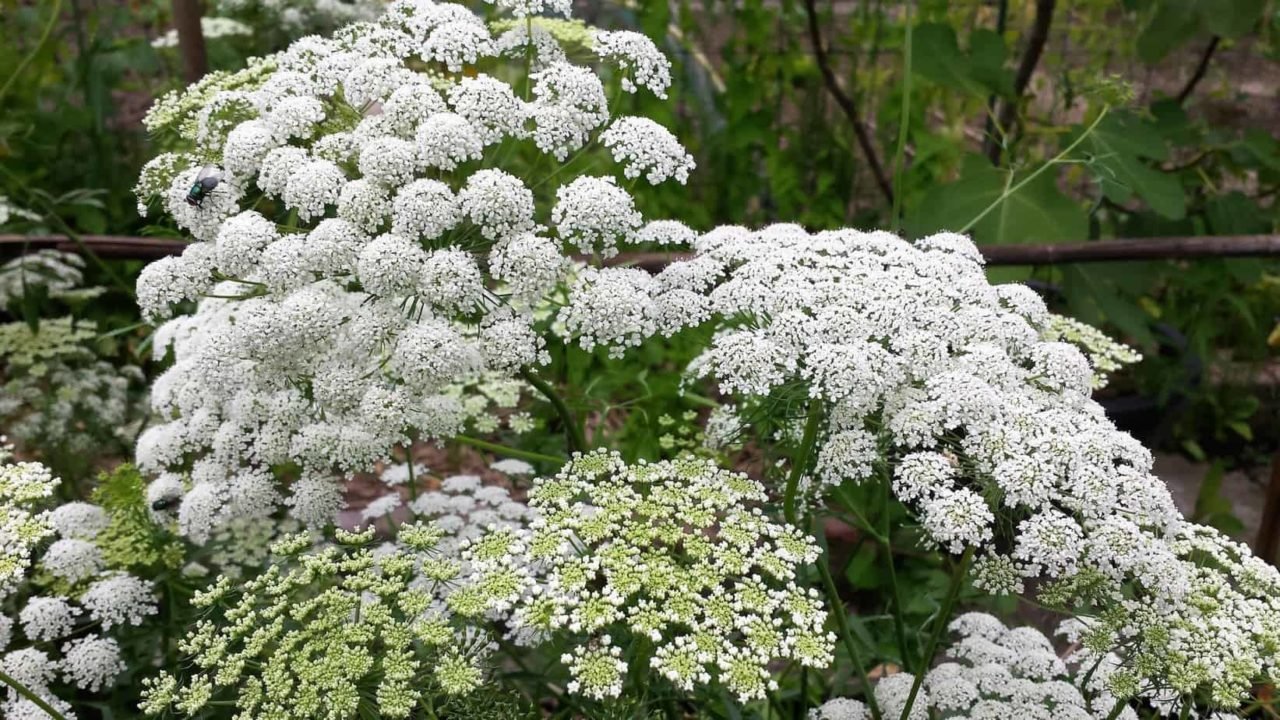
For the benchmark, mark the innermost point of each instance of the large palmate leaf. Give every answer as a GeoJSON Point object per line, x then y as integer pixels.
{"type": "Point", "coordinates": [1036, 212]}
{"type": "Point", "coordinates": [1118, 151]}
{"type": "Point", "coordinates": [1174, 22]}
{"type": "Point", "coordinates": [937, 56]}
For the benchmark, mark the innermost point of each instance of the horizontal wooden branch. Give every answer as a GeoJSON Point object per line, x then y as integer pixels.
{"type": "Point", "coordinates": [1165, 248]}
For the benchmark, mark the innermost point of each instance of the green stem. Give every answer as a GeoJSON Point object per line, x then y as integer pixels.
{"type": "Point", "coordinates": [899, 158]}
{"type": "Point", "coordinates": [34, 698]}
{"type": "Point", "coordinates": [851, 645]}
{"type": "Point", "coordinates": [1119, 708]}
{"type": "Point", "coordinates": [1055, 160]}
{"type": "Point", "coordinates": [44, 38]}
{"type": "Point", "coordinates": [944, 618]}
{"type": "Point", "coordinates": [899, 623]}
{"type": "Point", "coordinates": [413, 481]}
{"type": "Point", "coordinates": [51, 214]}
{"type": "Point", "coordinates": [508, 451]}
{"type": "Point", "coordinates": [572, 430]}
{"type": "Point", "coordinates": [861, 522]}
{"type": "Point", "coordinates": [804, 694]}
{"type": "Point", "coordinates": [811, 426]}
{"type": "Point", "coordinates": [528, 57]}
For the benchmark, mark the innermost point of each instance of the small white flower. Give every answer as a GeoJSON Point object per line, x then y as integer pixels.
{"type": "Point", "coordinates": [92, 663]}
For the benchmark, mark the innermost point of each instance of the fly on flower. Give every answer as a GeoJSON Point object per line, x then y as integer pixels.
{"type": "Point", "coordinates": [205, 182]}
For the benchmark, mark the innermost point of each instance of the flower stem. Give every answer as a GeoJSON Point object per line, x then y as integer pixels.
{"type": "Point", "coordinates": [842, 623]}
{"type": "Point", "coordinates": [802, 461]}
{"type": "Point", "coordinates": [940, 626]}
{"type": "Point", "coordinates": [1119, 708]}
{"type": "Point", "coordinates": [1014, 188]}
{"type": "Point", "coordinates": [904, 122]}
{"type": "Point", "coordinates": [899, 623]}
{"type": "Point", "coordinates": [508, 451]}
{"type": "Point", "coordinates": [413, 481]}
{"type": "Point", "coordinates": [34, 698]}
{"type": "Point", "coordinates": [572, 430]}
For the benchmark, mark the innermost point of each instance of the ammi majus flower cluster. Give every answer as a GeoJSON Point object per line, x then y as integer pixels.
{"type": "Point", "coordinates": [919, 374]}
{"type": "Point", "coordinates": [377, 215]}
{"type": "Point", "coordinates": [675, 556]}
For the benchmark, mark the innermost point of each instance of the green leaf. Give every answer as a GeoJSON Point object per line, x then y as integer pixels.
{"type": "Point", "coordinates": [1231, 18]}
{"type": "Point", "coordinates": [1037, 213]}
{"type": "Point", "coordinates": [936, 55]}
{"type": "Point", "coordinates": [1094, 296]}
{"type": "Point", "coordinates": [1242, 429]}
{"type": "Point", "coordinates": [1116, 152]}
{"type": "Point", "coordinates": [987, 51]}
{"type": "Point", "coordinates": [1212, 507]}
{"type": "Point", "coordinates": [1235, 214]}
{"type": "Point", "coordinates": [1257, 149]}
{"type": "Point", "coordinates": [1174, 22]}
{"type": "Point", "coordinates": [1177, 21]}
{"type": "Point", "coordinates": [863, 571]}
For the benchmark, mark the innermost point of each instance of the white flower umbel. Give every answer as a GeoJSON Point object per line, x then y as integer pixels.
{"type": "Point", "coordinates": [990, 672]}
{"type": "Point", "coordinates": [674, 551]}
{"type": "Point", "coordinates": [962, 396]}
{"type": "Point", "coordinates": [368, 236]}
{"type": "Point", "coordinates": [58, 274]}
{"type": "Point", "coordinates": [23, 526]}
{"type": "Point", "coordinates": [70, 595]}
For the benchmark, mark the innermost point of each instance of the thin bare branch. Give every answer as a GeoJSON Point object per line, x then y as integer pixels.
{"type": "Point", "coordinates": [846, 103]}
{"type": "Point", "coordinates": [186, 20]}
{"type": "Point", "coordinates": [1007, 121]}
{"type": "Point", "coordinates": [1161, 248]}
{"type": "Point", "coordinates": [1201, 68]}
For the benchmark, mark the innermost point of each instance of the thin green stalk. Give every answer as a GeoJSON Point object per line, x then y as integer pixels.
{"type": "Point", "coordinates": [900, 155]}
{"type": "Point", "coordinates": [940, 626]}
{"type": "Point", "coordinates": [1119, 708]}
{"type": "Point", "coordinates": [811, 426]}
{"type": "Point", "coordinates": [528, 57]}
{"type": "Point", "coordinates": [572, 430]}
{"type": "Point", "coordinates": [1040, 170]}
{"type": "Point", "coordinates": [51, 213]}
{"type": "Point", "coordinates": [899, 623]}
{"type": "Point", "coordinates": [804, 694]}
{"type": "Point", "coordinates": [508, 451]}
{"type": "Point", "coordinates": [851, 645]}
{"type": "Point", "coordinates": [44, 38]}
{"type": "Point", "coordinates": [34, 698]}
{"type": "Point", "coordinates": [842, 494]}
{"type": "Point", "coordinates": [413, 481]}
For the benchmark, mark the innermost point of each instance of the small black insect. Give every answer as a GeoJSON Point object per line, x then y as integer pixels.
{"type": "Point", "coordinates": [205, 182]}
{"type": "Point", "coordinates": [165, 504]}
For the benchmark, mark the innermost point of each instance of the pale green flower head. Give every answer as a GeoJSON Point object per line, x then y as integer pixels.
{"type": "Point", "coordinates": [675, 552]}
{"type": "Point", "coordinates": [333, 631]}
